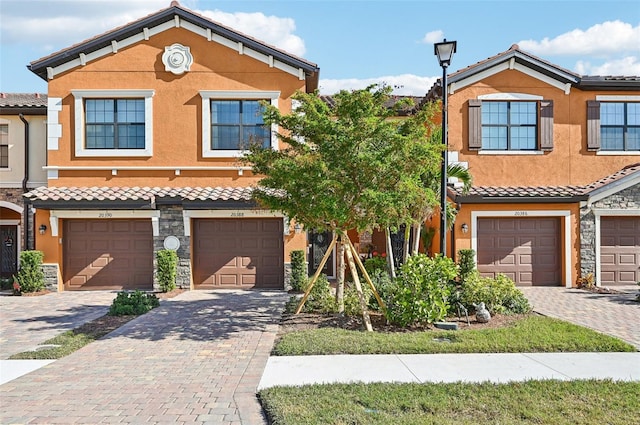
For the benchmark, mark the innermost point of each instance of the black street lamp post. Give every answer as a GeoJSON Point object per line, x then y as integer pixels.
{"type": "Point", "coordinates": [444, 51]}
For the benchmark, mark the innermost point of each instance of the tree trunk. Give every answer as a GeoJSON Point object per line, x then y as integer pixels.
{"type": "Point", "coordinates": [416, 238]}
{"type": "Point", "coordinates": [405, 245]}
{"type": "Point", "coordinates": [390, 263]}
{"type": "Point", "coordinates": [356, 281]}
{"type": "Point", "coordinates": [340, 276]}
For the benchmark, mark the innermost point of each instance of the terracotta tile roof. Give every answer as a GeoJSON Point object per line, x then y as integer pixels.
{"type": "Point", "coordinates": [391, 102]}
{"type": "Point", "coordinates": [612, 178]}
{"type": "Point", "coordinates": [22, 100]}
{"type": "Point", "coordinates": [151, 194]}
{"type": "Point", "coordinates": [526, 191]}
{"type": "Point", "coordinates": [546, 192]}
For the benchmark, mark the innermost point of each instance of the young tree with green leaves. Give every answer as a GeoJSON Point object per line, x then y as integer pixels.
{"type": "Point", "coordinates": [348, 166]}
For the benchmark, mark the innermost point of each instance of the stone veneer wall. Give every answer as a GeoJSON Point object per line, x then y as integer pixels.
{"type": "Point", "coordinates": [172, 224]}
{"type": "Point", "coordinates": [51, 276]}
{"type": "Point", "coordinates": [625, 199]}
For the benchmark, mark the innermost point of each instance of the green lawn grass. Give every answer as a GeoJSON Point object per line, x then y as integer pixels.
{"type": "Point", "coordinates": [590, 402]}
{"type": "Point", "coordinates": [528, 334]}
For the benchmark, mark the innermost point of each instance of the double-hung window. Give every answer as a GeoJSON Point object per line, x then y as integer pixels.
{"type": "Point", "coordinates": [113, 122]}
{"type": "Point", "coordinates": [510, 123]}
{"type": "Point", "coordinates": [620, 126]}
{"type": "Point", "coordinates": [233, 120]}
{"type": "Point", "coordinates": [4, 146]}
{"type": "Point", "coordinates": [235, 124]}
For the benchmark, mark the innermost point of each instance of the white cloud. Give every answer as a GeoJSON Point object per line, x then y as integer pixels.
{"type": "Point", "coordinates": [433, 37]}
{"type": "Point", "coordinates": [59, 24]}
{"type": "Point", "coordinates": [407, 84]}
{"type": "Point", "coordinates": [629, 65]}
{"type": "Point", "coordinates": [603, 40]}
{"type": "Point", "coordinates": [273, 30]}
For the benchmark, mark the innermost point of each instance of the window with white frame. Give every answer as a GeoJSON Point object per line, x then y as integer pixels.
{"type": "Point", "coordinates": [4, 146]}
{"type": "Point", "coordinates": [620, 126]}
{"type": "Point", "coordinates": [113, 122]}
{"type": "Point", "coordinates": [232, 120]}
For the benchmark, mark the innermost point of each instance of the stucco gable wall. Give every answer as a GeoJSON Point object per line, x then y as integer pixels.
{"type": "Point", "coordinates": [569, 163]}
{"type": "Point", "coordinates": [177, 105]}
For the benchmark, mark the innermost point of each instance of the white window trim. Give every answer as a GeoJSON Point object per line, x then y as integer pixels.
{"type": "Point", "coordinates": [80, 95]}
{"type": "Point", "coordinates": [565, 247]}
{"type": "Point", "coordinates": [208, 95]}
{"type": "Point", "coordinates": [509, 96]}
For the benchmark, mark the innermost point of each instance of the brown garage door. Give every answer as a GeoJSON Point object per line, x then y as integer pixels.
{"type": "Point", "coordinates": [108, 254]}
{"type": "Point", "coordinates": [527, 250]}
{"type": "Point", "coordinates": [232, 253]}
{"type": "Point", "coordinates": [619, 250]}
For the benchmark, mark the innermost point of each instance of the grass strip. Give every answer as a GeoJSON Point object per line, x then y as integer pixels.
{"type": "Point", "coordinates": [586, 402]}
{"type": "Point", "coordinates": [73, 340]}
{"type": "Point", "coordinates": [526, 335]}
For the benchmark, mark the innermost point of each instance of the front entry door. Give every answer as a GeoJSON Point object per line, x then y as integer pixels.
{"type": "Point", "coordinates": [318, 247]}
{"type": "Point", "coordinates": [9, 260]}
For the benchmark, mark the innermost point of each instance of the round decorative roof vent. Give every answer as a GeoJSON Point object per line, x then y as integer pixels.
{"type": "Point", "coordinates": [177, 59]}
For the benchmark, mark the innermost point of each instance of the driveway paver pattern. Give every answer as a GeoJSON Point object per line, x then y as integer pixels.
{"type": "Point", "coordinates": [198, 358]}
{"type": "Point", "coordinates": [613, 314]}
{"type": "Point", "coordinates": [30, 320]}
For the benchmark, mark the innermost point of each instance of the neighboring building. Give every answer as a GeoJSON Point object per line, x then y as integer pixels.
{"type": "Point", "coordinates": [145, 124]}
{"type": "Point", "coordinates": [22, 156]}
{"type": "Point", "coordinates": [555, 158]}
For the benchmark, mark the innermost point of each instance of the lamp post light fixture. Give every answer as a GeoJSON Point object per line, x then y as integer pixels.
{"type": "Point", "coordinates": [444, 51]}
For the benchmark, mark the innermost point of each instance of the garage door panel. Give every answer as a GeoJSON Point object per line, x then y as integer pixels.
{"type": "Point", "coordinates": [526, 250]}
{"type": "Point", "coordinates": [247, 257]}
{"type": "Point", "coordinates": [108, 254]}
{"type": "Point", "coordinates": [619, 250]}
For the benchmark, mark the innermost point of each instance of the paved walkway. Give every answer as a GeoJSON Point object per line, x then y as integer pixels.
{"type": "Point", "coordinates": [421, 368]}
{"type": "Point", "coordinates": [198, 358]}
{"type": "Point", "coordinates": [613, 314]}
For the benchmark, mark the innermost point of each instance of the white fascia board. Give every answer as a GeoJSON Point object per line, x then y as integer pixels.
{"type": "Point", "coordinates": [535, 74]}
{"type": "Point", "coordinates": [474, 78]}
{"type": "Point", "coordinates": [614, 188]}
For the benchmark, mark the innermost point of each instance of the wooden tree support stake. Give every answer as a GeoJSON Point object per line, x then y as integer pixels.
{"type": "Point", "coordinates": [317, 274]}
{"type": "Point", "coordinates": [366, 276]}
{"type": "Point", "coordinates": [356, 281]}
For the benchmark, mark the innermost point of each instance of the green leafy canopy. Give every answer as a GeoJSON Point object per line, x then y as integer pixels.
{"type": "Point", "coordinates": [354, 165]}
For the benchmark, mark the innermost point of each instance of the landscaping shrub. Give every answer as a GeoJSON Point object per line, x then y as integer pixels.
{"type": "Point", "coordinates": [421, 292]}
{"type": "Point", "coordinates": [466, 263]}
{"type": "Point", "coordinates": [376, 262]}
{"type": "Point", "coordinates": [383, 284]}
{"type": "Point", "coordinates": [167, 260]}
{"type": "Point", "coordinates": [30, 276]}
{"type": "Point", "coordinates": [499, 295]}
{"type": "Point", "coordinates": [320, 299]}
{"type": "Point", "coordinates": [133, 303]}
{"type": "Point", "coordinates": [352, 301]}
{"type": "Point", "coordinates": [299, 276]}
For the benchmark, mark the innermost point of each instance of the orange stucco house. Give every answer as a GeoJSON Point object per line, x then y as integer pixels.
{"type": "Point", "coordinates": [555, 158]}
{"type": "Point", "coordinates": [145, 125]}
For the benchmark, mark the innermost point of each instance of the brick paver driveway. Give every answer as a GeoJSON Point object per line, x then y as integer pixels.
{"type": "Point", "coordinates": [198, 358]}
{"type": "Point", "coordinates": [613, 314]}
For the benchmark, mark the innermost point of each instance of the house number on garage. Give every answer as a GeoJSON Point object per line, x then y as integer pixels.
{"type": "Point", "coordinates": [520, 213]}
{"type": "Point", "coordinates": [237, 214]}
{"type": "Point", "coordinates": [105, 215]}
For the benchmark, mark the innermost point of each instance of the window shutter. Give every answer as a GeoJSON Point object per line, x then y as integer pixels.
{"type": "Point", "coordinates": [593, 125]}
{"type": "Point", "coordinates": [475, 124]}
{"type": "Point", "coordinates": [546, 125]}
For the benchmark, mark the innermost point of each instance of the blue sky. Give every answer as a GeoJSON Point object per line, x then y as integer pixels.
{"type": "Point", "coordinates": [354, 43]}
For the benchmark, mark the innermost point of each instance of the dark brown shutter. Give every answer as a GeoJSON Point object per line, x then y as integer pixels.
{"type": "Point", "coordinates": [546, 125]}
{"type": "Point", "coordinates": [475, 124]}
{"type": "Point", "coordinates": [593, 125]}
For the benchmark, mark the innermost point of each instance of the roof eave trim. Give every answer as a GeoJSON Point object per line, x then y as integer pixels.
{"type": "Point", "coordinates": [46, 69]}
{"type": "Point", "coordinates": [476, 199]}
{"type": "Point", "coordinates": [613, 187]}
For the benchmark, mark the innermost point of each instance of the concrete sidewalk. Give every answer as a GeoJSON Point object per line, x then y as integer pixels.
{"type": "Point", "coordinates": [421, 368]}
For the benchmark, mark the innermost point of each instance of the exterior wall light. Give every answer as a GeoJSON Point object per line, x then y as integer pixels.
{"type": "Point", "coordinates": [297, 228]}
{"type": "Point", "coordinates": [42, 229]}
{"type": "Point", "coordinates": [465, 227]}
